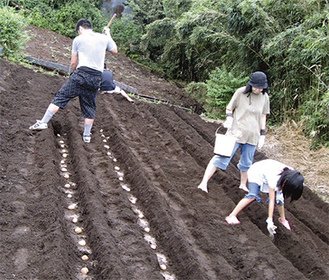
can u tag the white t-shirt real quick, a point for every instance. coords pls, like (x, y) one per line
(91, 47)
(266, 173)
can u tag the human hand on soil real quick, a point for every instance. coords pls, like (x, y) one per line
(285, 223)
(270, 226)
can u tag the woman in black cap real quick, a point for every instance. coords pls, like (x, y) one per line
(246, 122)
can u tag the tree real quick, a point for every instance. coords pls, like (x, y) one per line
(145, 11)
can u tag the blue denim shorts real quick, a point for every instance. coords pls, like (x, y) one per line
(247, 153)
(254, 191)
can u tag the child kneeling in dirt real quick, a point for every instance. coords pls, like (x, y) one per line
(277, 180)
(108, 86)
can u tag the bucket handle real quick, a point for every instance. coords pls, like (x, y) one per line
(217, 131)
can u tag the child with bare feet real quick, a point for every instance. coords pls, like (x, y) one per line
(246, 122)
(277, 180)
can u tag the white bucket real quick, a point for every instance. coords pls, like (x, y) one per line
(224, 145)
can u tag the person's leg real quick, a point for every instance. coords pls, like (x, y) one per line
(232, 219)
(53, 108)
(252, 195)
(61, 98)
(50, 112)
(43, 123)
(210, 170)
(247, 153)
(87, 101)
(125, 95)
(243, 180)
(87, 128)
(216, 162)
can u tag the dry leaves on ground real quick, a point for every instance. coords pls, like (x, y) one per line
(289, 145)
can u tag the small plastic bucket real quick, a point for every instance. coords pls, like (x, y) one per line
(224, 145)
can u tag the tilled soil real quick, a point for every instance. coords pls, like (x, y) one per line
(133, 193)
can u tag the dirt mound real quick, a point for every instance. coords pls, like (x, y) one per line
(133, 193)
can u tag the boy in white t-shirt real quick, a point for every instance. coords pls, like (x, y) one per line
(87, 62)
(276, 179)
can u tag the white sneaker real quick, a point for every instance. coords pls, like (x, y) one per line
(244, 188)
(86, 139)
(39, 125)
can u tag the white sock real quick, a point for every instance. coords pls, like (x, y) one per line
(87, 129)
(47, 116)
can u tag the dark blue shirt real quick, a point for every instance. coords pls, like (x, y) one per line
(107, 83)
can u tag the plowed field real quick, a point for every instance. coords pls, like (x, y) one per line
(133, 193)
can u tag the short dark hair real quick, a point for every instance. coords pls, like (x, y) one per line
(85, 23)
(291, 182)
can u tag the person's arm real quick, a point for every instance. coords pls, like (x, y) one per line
(125, 95)
(228, 111)
(228, 119)
(114, 50)
(271, 194)
(270, 225)
(114, 47)
(261, 140)
(74, 61)
(263, 122)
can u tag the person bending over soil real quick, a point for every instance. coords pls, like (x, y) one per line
(277, 180)
(108, 86)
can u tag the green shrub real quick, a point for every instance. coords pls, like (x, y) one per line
(66, 17)
(220, 88)
(12, 36)
(63, 19)
(157, 35)
(127, 35)
(175, 8)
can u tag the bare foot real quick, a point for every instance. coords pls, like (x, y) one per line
(232, 220)
(203, 188)
(243, 187)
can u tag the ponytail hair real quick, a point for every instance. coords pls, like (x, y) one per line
(291, 182)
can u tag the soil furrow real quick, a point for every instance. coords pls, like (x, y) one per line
(165, 175)
(162, 152)
(154, 205)
(107, 217)
(170, 123)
